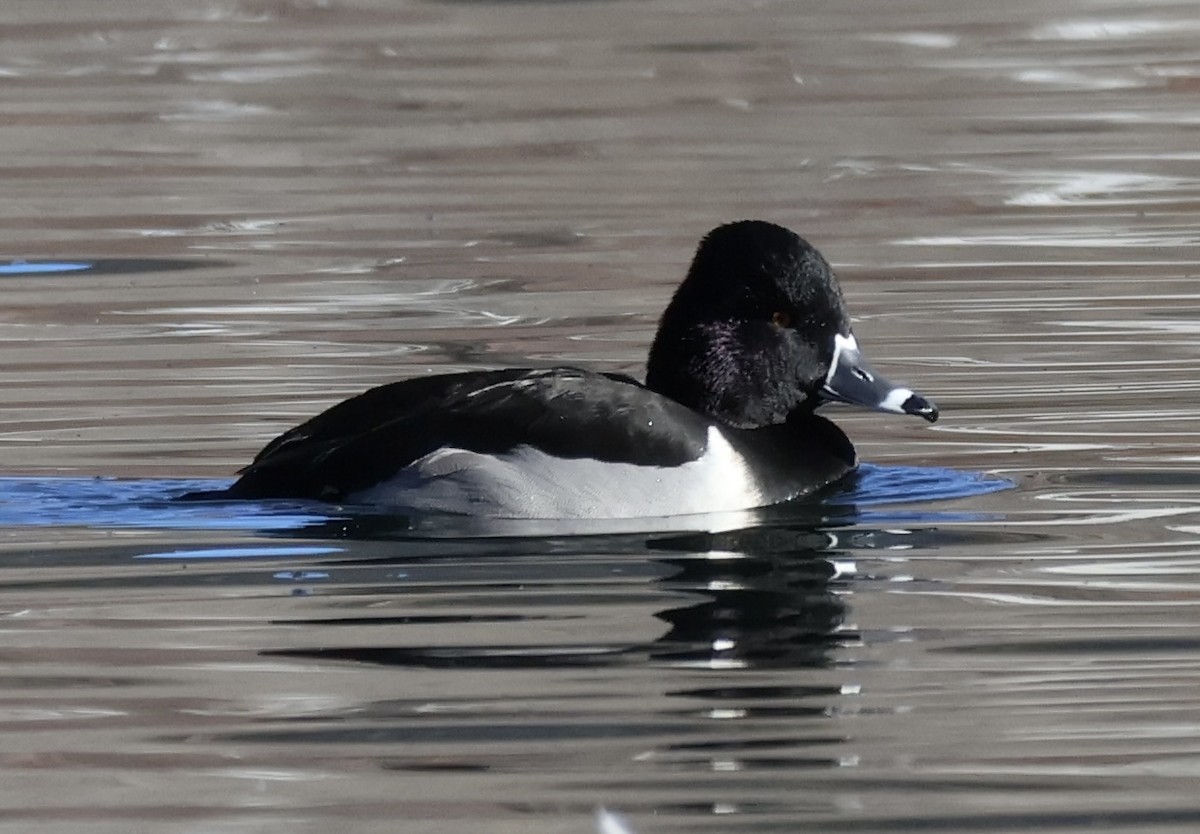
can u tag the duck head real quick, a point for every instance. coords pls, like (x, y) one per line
(758, 331)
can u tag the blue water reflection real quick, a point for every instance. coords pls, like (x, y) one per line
(149, 503)
(141, 503)
(102, 266)
(42, 267)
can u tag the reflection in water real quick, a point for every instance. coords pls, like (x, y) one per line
(41, 267)
(769, 599)
(754, 676)
(103, 266)
(737, 603)
(772, 604)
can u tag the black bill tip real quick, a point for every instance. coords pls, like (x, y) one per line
(920, 407)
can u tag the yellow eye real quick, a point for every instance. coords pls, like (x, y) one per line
(781, 319)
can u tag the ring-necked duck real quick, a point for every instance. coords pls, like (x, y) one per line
(755, 338)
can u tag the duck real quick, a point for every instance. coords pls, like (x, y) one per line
(753, 341)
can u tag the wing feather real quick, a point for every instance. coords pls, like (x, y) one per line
(564, 412)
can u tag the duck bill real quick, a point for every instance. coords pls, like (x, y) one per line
(851, 379)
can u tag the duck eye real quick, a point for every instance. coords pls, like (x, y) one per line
(781, 318)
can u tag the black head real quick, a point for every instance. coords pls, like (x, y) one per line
(751, 335)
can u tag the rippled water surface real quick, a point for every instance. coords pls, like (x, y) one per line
(220, 217)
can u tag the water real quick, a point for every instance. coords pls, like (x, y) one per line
(221, 217)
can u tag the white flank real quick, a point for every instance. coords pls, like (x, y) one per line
(528, 483)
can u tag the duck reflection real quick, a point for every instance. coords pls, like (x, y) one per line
(757, 598)
(769, 598)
